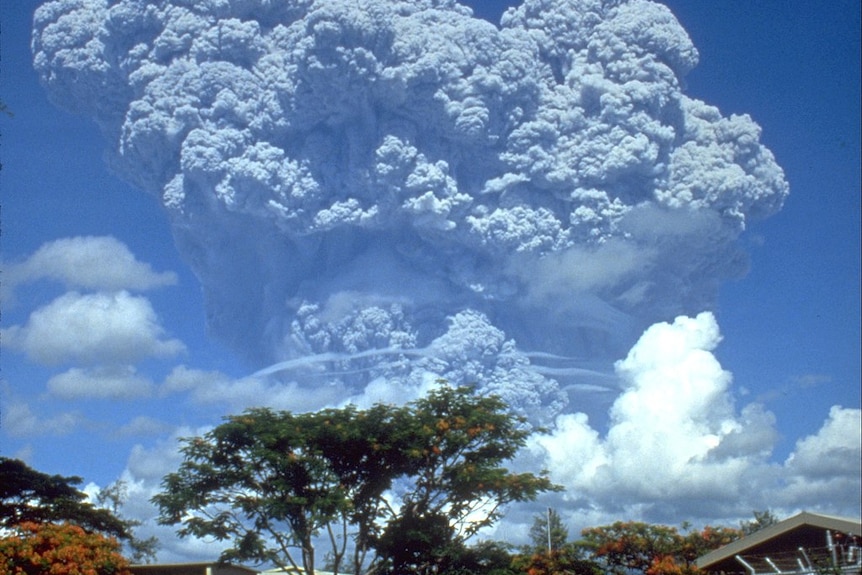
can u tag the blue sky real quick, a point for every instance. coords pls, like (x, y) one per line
(790, 327)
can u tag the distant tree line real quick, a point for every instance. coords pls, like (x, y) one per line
(390, 490)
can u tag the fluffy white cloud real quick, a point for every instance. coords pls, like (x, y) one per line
(145, 468)
(183, 379)
(150, 464)
(676, 442)
(382, 390)
(20, 421)
(673, 433)
(104, 382)
(675, 408)
(824, 473)
(835, 450)
(88, 262)
(106, 328)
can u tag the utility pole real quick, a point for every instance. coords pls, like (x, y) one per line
(549, 532)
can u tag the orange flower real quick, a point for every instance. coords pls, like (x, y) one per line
(60, 550)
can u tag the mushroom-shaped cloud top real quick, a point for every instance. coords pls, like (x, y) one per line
(351, 176)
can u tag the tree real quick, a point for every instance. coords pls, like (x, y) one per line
(539, 539)
(27, 495)
(367, 451)
(261, 481)
(112, 498)
(653, 549)
(762, 519)
(272, 483)
(632, 545)
(460, 442)
(564, 561)
(488, 558)
(417, 543)
(697, 543)
(60, 549)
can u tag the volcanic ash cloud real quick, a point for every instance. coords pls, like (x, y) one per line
(353, 177)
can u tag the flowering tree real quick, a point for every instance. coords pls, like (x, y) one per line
(697, 543)
(653, 549)
(59, 549)
(563, 561)
(30, 496)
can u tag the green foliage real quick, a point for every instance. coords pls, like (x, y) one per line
(762, 519)
(269, 483)
(488, 558)
(632, 545)
(415, 543)
(27, 495)
(260, 481)
(697, 543)
(567, 560)
(112, 498)
(653, 549)
(539, 532)
(459, 443)
(451, 558)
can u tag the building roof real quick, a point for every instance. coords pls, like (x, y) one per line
(291, 571)
(780, 543)
(191, 569)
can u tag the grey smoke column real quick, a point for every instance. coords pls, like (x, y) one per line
(354, 175)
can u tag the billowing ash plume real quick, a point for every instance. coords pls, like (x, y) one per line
(393, 189)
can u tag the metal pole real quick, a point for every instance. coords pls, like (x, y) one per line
(807, 559)
(746, 565)
(831, 545)
(773, 565)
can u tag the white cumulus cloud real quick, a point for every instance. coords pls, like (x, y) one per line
(674, 434)
(103, 328)
(834, 449)
(87, 262)
(825, 468)
(19, 420)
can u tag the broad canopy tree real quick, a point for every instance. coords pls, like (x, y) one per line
(375, 482)
(33, 497)
(27, 495)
